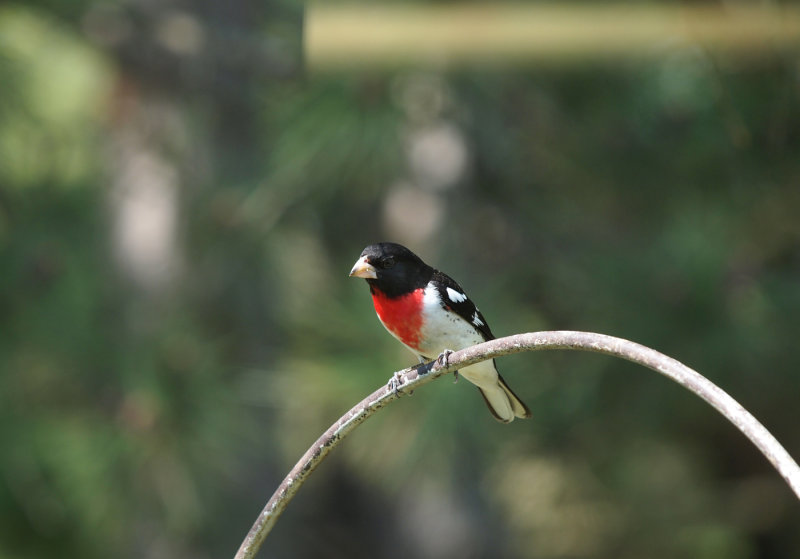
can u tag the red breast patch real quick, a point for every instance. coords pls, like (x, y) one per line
(402, 316)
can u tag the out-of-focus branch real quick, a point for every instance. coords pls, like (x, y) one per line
(583, 341)
(345, 36)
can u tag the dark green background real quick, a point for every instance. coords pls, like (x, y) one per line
(655, 200)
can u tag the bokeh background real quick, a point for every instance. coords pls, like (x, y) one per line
(181, 199)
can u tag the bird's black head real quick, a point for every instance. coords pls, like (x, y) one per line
(392, 269)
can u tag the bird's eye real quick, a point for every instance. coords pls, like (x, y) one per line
(387, 262)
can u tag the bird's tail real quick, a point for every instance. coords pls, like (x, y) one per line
(503, 403)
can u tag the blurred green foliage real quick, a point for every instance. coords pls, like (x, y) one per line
(150, 404)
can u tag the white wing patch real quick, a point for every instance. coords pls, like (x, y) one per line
(455, 296)
(476, 320)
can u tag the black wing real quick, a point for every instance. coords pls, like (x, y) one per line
(454, 298)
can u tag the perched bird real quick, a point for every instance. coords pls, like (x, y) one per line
(429, 313)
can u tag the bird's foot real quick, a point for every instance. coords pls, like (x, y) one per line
(444, 358)
(395, 382)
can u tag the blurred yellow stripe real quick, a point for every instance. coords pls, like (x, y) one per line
(357, 35)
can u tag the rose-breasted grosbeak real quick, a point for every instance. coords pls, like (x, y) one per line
(429, 313)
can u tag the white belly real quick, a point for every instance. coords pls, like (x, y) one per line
(444, 330)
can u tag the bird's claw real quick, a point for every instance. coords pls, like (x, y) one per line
(395, 382)
(444, 358)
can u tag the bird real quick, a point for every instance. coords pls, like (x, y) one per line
(429, 313)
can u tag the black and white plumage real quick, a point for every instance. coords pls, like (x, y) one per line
(429, 313)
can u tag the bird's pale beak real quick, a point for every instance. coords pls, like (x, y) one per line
(363, 269)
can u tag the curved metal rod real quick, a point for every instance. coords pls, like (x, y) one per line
(415, 377)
